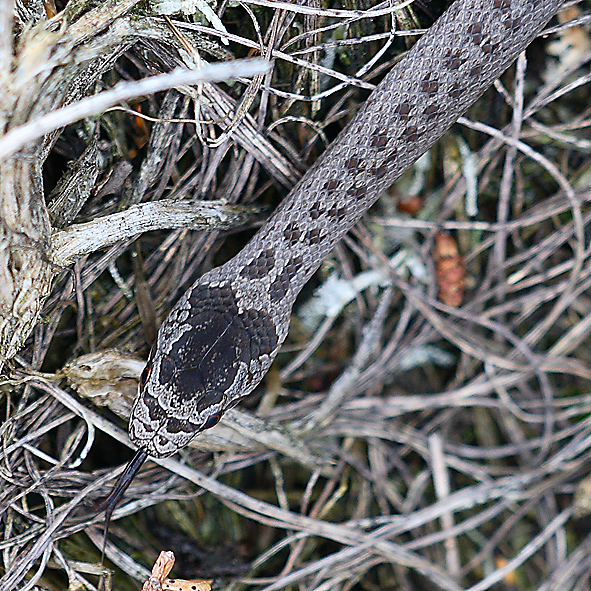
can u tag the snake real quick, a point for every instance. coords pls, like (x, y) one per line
(223, 334)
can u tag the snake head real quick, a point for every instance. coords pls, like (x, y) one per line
(209, 354)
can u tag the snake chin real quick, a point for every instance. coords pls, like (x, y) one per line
(157, 444)
(161, 434)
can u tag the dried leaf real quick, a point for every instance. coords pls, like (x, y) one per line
(451, 270)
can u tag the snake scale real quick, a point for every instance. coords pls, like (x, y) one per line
(223, 334)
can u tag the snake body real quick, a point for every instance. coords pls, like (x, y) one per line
(223, 334)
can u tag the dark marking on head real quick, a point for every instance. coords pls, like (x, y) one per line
(207, 357)
(209, 399)
(167, 369)
(174, 425)
(156, 412)
(260, 267)
(331, 185)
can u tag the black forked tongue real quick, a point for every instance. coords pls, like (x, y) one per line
(123, 482)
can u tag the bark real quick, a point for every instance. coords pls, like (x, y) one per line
(25, 272)
(52, 65)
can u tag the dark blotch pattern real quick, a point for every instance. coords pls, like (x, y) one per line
(403, 109)
(453, 59)
(430, 112)
(379, 139)
(294, 265)
(391, 157)
(412, 133)
(354, 163)
(315, 236)
(455, 91)
(280, 287)
(357, 192)
(470, 45)
(512, 24)
(261, 266)
(258, 323)
(430, 84)
(338, 212)
(292, 234)
(475, 32)
(316, 210)
(380, 171)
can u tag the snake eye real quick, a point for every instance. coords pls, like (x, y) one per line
(145, 375)
(212, 421)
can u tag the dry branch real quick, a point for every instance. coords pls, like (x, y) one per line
(53, 71)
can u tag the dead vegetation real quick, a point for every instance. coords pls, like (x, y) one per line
(399, 442)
